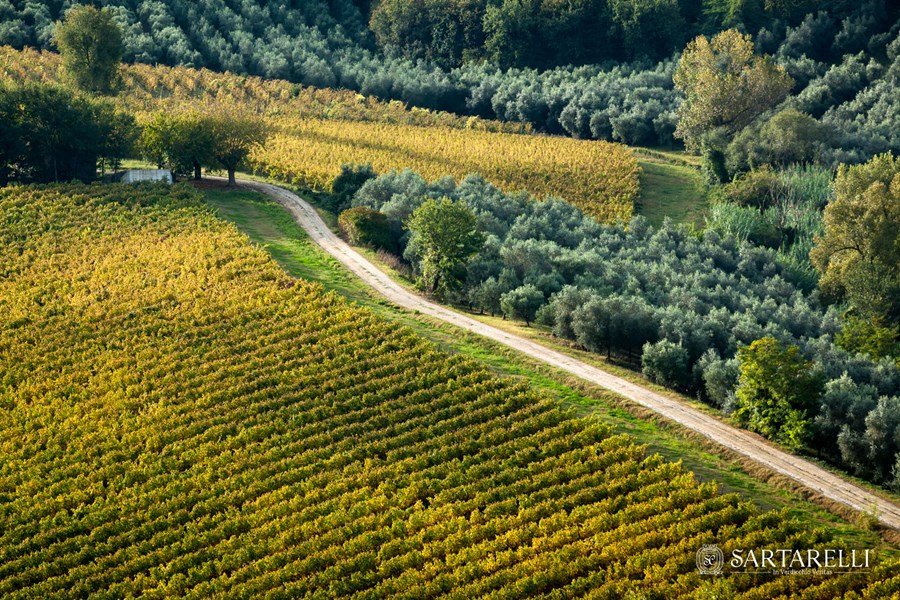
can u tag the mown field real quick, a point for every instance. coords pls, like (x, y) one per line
(316, 131)
(181, 418)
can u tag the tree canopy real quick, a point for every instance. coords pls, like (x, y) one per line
(179, 142)
(233, 135)
(91, 46)
(445, 235)
(522, 303)
(49, 133)
(776, 388)
(726, 86)
(859, 253)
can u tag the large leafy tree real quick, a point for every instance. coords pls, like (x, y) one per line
(233, 137)
(90, 43)
(445, 234)
(859, 253)
(775, 389)
(725, 85)
(180, 142)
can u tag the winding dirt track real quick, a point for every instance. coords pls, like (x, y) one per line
(749, 445)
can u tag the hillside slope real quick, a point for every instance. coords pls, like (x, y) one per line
(271, 38)
(809, 475)
(318, 130)
(183, 419)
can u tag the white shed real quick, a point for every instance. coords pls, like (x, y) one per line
(135, 175)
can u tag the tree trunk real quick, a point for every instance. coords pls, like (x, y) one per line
(198, 172)
(231, 180)
(434, 285)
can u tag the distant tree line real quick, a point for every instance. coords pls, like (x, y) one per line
(548, 64)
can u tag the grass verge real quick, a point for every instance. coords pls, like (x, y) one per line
(670, 187)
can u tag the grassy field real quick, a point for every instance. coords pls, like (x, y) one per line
(267, 224)
(670, 187)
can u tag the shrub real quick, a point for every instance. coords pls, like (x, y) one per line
(757, 189)
(364, 226)
(347, 183)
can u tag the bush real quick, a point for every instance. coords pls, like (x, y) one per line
(347, 183)
(364, 226)
(757, 189)
(522, 303)
(788, 137)
(666, 363)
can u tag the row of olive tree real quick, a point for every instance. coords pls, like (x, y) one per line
(685, 306)
(842, 60)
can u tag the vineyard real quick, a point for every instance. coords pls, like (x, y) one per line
(147, 88)
(318, 130)
(599, 177)
(181, 418)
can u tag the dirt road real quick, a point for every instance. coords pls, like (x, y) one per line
(802, 471)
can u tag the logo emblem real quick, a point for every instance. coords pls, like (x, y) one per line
(710, 560)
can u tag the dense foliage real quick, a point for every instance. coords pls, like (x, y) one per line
(725, 86)
(859, 251)
(842, 55)
(683, 303)
(90, 44)
(47, 133)
(183, 419)
(444, 235)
